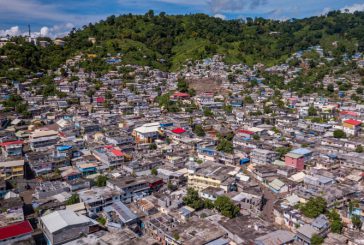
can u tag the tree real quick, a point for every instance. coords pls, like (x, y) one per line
(336, 224)
(316, 239)
(182, 86)
(101, 180)
(208, 113)
(359, 149)
(339, 134)
(154, 171)
(228, 109)
(330, 88)
(193, 200)
(73, 199)
(226, 207)
(357, 224)
(101, 220)
(198, 130)
(153, 146)
(312, 111)
(314, 207)
(225, 146)
(171, 186)
(248, 100)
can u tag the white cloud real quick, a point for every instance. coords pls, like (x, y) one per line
(218, 6)
(52, 32)
(44, 31)
(220, 16)
(12, 31)
(353, 8)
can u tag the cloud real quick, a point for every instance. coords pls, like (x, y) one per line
(52, 32)
(12, 31)
(353, 8)
(44, 31)
(219, 6)
(220, 16)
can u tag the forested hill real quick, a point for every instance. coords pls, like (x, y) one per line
(167, 41)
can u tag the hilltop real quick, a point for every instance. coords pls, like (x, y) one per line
(166, 42)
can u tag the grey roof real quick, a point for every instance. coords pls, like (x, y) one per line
(276, 237)
(124, 213)
(307, 230)
(320, 222)
(60, 219)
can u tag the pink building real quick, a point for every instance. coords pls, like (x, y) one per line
(296, 161)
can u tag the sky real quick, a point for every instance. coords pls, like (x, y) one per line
(56, 18)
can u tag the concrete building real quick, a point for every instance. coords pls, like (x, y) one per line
(261, 156)
(352, 127)
(294, 160)
(212, 174)
(96, 199)
(42, 140)
(63, 226)
(147, 133)
(12, 169)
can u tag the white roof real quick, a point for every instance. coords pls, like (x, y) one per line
(63, 218)
(148, 128)
(298, 177)
(44, 133)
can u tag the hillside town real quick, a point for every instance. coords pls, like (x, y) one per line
(212, 154)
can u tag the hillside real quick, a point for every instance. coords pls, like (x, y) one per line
(167, 41)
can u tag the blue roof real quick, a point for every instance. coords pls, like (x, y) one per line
(63, 147)
(301, 151)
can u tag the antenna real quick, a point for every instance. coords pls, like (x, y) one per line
(29, 29)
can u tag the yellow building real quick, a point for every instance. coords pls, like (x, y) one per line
(12, 169)
(212, 174)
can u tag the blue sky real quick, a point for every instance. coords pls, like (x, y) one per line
(50, 17)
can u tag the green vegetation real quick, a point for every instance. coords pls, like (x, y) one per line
(198, 130)
(101, 220)
(357, 224)
(166, 102)
(101, 180)
(208, 113)
(226, 207)
(339, 134)
(359, 149)
(225, 145)
(16, 103)
(336, 224)
(153, 146)
(193, 200)
(317, 240)
(73, 199)
(282, 151)
(314, 207)
(223, 204)
(166, 42)
(154, 171)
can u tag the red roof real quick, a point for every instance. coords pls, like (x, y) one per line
(117, 153)
(350, 113)
(100, 99)
(16, 142)
(246, 132)
(178, 130)
(353, 122)
(15, 230)
(180, 94)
